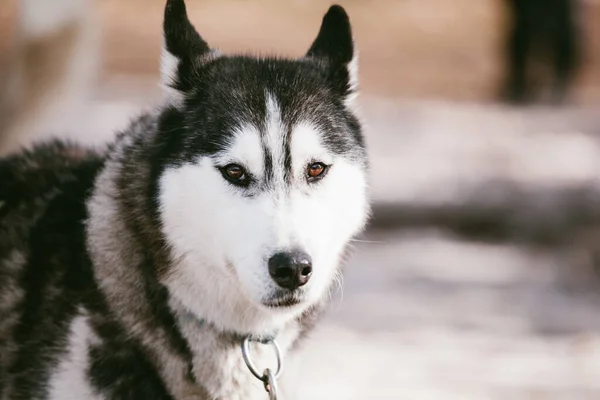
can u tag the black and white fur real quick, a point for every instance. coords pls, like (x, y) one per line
(133, 273)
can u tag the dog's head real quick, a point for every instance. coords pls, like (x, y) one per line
(264, 176)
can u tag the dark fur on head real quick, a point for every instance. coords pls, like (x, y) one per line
(220, 92)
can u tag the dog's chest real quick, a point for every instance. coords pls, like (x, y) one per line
(219, 367)
(231, 379)
(224, 374)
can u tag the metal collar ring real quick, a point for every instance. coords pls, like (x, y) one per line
(250, 364)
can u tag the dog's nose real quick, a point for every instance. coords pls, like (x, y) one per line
(290, 270)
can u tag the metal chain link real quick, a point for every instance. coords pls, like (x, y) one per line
(270, 384)
(268, 378)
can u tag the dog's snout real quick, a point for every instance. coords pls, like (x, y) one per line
(290, 270)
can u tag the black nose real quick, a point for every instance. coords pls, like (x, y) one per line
(290, 270)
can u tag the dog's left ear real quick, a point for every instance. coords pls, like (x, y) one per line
(183, 49)
(334, 45)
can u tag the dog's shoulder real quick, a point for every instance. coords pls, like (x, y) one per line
(35, 173)
(43, 186)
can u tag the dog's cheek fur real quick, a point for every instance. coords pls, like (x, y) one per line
(329, 212)
(188, 209)
(342, 211)
(326, 219)
(218, 238)
(224, 234)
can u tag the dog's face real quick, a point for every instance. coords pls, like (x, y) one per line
(263, 181)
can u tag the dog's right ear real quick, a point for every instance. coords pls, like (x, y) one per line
(335, 46)
(183, 49)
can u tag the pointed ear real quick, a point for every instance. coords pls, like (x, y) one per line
(335, 46)
(182, 49)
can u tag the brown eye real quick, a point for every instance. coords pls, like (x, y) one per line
(316, 171)
(235, 174)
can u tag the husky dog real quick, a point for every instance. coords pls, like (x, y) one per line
(135, 272)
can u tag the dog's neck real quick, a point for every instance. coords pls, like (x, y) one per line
(178, 341)
(217, 362)
(185, 317)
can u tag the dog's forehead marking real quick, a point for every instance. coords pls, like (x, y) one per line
(276, 152)
(288, 148)
(275, 144)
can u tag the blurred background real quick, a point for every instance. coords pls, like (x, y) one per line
(478, 275)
